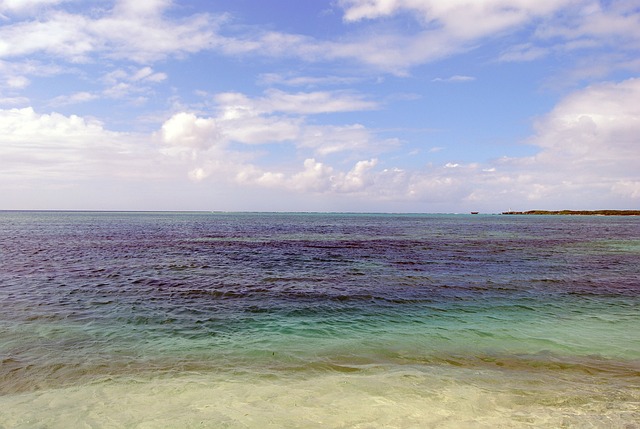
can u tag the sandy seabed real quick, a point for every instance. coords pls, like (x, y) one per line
(411, 397)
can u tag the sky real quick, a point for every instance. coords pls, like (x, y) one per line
(437, 106)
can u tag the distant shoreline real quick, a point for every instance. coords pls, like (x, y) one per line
(577, 212)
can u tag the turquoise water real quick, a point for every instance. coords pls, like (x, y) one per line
(318, 320)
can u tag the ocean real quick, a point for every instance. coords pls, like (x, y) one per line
(309, 320)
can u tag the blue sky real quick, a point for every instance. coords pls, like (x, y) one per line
(320, 105)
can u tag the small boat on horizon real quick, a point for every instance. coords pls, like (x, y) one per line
(475, 212)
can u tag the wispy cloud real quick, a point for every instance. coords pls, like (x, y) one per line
(308, 81)
(454, 79)
(140, 34)
(75, 98)
(144, 34)
(25, 6)
(301, 103)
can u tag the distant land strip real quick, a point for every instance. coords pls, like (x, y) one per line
(577, 212)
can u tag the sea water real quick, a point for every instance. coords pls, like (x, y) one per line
(254, 320)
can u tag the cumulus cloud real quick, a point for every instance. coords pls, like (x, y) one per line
(588, 157)
(202, 144)
(589, 152)
(276, 117)
(26, 123)
(356, 179)
(314, 177)
(189, 131)
(593, 134)
(218, 144)
(55, 146)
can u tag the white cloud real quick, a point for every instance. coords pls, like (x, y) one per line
(17, 82)
(20, 70)
(523, 52)
(300, 103)
(612, 23)
(136, 9)
(314, 102)
(68, 148)
(454, 79)
(136, 31)
(465, 19)
(142, 32)
(261, 129)
(131, 83)
(357, 179)
(147, 74)
(198, 174)
(325, 140)
(62, 35)
(316, 176)
(447, 27)
(27, 123)
(153, 38)
(587, 145)
(25, 6)
(187, 130)
(14, 101)
(628, 189)
(279, 116)
(594, 131)
(589, 157)
(213, 144)
(450, 27)
(309, 81)
(75, 98)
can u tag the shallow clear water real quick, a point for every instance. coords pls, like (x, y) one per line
(318, 320)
